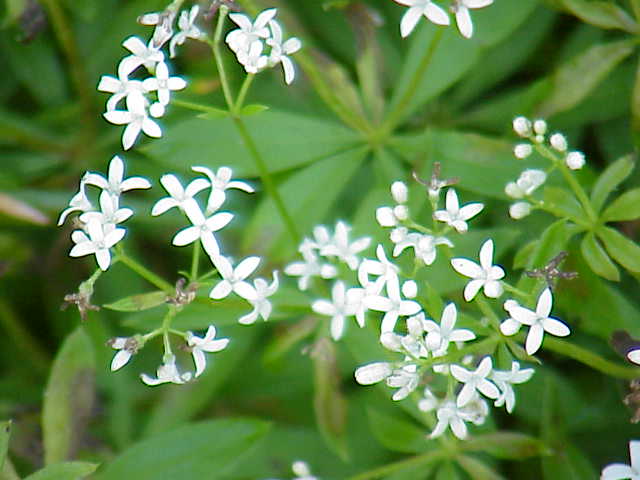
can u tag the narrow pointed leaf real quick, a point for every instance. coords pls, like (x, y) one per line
(397, 434)
(478, 470)
(64, 471)
(624, 251)
(562, 201)
(597, 258)
(138, 303)
(510, 445)
(613, 175)
(625, 207)
(601, 14)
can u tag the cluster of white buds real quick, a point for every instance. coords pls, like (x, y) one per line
(248, 42)
(439, 16)
(135, 102)
(526, 184)
(100, 230)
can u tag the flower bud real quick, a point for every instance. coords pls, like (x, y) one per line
(385, 217)
(373, 373)
(513, 190)
(522, 126)
(156, 110)
(399, 192)
(401, 212)
(540, 127)
(575, 160)
(519, 210)
(522, 150)
(558, 142)
(410, 289)
(531, 179)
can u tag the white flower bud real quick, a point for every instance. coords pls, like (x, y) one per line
(391, 341)
(401, 212)
(558, 142)
(531, 179)
(538, 138)
(522, 126)
(519, 210)
(410, 289)
(513, 190)
(575, 160)
(634, 356)
(522, 150)
(156, 110)
(385, 217)
(510, 304)
(399, 192)
(540, 127)
(398, 234)
(373, 373)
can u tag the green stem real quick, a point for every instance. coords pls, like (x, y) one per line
(267, 180)
(166, 328)
(243, 93)
(195, 262)
(21, 338)
(416, 461)
(144, 272)
(215, 46)
(635, 6)
(399, 110)
(487, 311)
(590, 359)
(198, 107)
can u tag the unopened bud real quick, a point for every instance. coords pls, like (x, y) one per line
(522, 126)
(540, 127)
(558, 142)
(522, 150)
(575, 160)
(519, 210)
(399, 192)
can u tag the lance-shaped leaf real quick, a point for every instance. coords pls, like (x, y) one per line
(64, 471)
(68, 397)
(576, 79)
(597, 258)
(510, 445)
(601, 14)
(396, 433)
(562, 202)
(623, 250)
(625, 207)
(613, 175)
(477, 470)
(138, 303)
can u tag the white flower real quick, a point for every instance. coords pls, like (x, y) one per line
(418, 8)
(504, 380)
(450, 416)
(406, 379)
(233, 279)
(310, 267)
(252, 59)
(463, 19)
(249, 32)
(167, 372)
(163, 22)
(97, 241)
(202, 229)
(179, 196)
(539, 126)
(399, 192)
(575, 160)
(620, 471)
(147, 55)
(187, 29)
(115, 184)
(519, 210)
(280, 51)
(136, 118)
(120, 88)
(475, 381)
(527, 183)
(558, 142)
(382, 268)
(393, 305)
(424, 246)
(538, 322)
(340, 247)
(386, 216)
(109, 212)
(456, 216)
(522, 126)
(338, 309)
(261, 306)
(522, 150)
(201, 345)
(78, 203)
(373, 373)
(486, 275)
(126, 346)
(220, 182)
(163, 83)
(439, 336)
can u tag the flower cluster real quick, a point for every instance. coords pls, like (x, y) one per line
(248, 42)
(136, 102)
(99, 229)
(432, 12)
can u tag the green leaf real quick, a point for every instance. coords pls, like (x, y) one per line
(601, 14)
(138, 303)
(13, 11)
(563, 202)
(597, 258)
(608, 180)
(623, 250)
(202, 450)
(625, 207)
(576, 79)
(522, 256)
(396, 433)
(253, 109)
(5, 434)
(568, 463)
(478, 470)
(509, 445)
(68, 397)
(64, 471)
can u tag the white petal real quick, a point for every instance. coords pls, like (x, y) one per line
(534, 339)
(409, 21)
(486, 255)
(337, 327)
(471, 210)
(199, 361)
(246, 267)
(221, 290)
(163, 205)
(467, 268)
(246, 291)
(463, 20)
(103, 257)
(372, 373)
(634, 356)
(510, 327)
(186, 236)
(465, 395)
(555, 327)
(634, 453)
(617, 471)
(472, 289)
(493, 289)
(120, 359)
(545, 303)
(436, 14)
(477, 3)
(323, 307)
(130, 134)
(458, 428)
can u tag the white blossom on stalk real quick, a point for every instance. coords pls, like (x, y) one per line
(522, 126)
(233, 279)
(519, 210)
(163, 21)
(141, 54)
(440, 336)
(163, 84)
(338, 309)
(253, 60)
(126, 346)
(187, 29)
(97, 241)
(527, 183)
(558, 142)
(249, 32)
(136, 118)
(382, 268)
(208, 344)
(417, 9)
(373, 373)
(455, 216)
(392, 305)
(261, 305)
(406, 379)
(504, 380)
(167, 373)
(78, 203)
(620, 471)
(280, 51)
(110, 212)
(522, 150)
(475, 381)
(485, 275)
(179, 197)
(309, 267)
(340, 247)
(119, 88)
(220, 182)
(575, 160)
(449, 415)
(115, 183)
(428, 402)
(202, 229)
(539, 321)
(463, 18)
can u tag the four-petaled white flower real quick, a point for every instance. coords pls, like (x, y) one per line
(202, 229)
(110, 212)
(340, 247)
(179, 196)
(141, 54)
(249, 32)
(449, 415)
(208, 344)
(620, 471)
(78, 203)
(439, 336)
(418, 8)
(504, 380)
(221, 181)
(538, 321)
(310, 267)
(167, 373)
(126, 346)
(393, 305)
(261, 305)
(115, 184)
(280, 51)
(486, 275)
(136, 118)
(454, 215)
(187, 29)
(382, 268)
(119, 88)
(475, 381)
(163, 84)
(406, 379)
(463, 18)
(338, 309)
(233, 279)
(97, 241)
